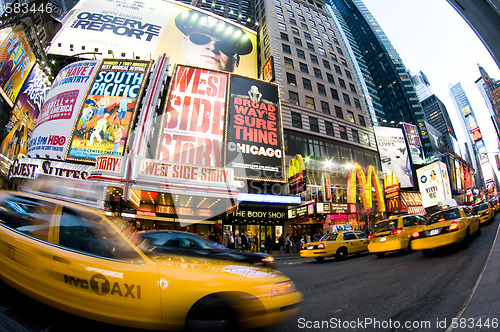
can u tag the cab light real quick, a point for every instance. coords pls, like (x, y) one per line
(454, 226)
(303, 247)
(269, 259)
(415, 235)
(441, 220)
(282, 288)
(371, 236)
(397, 231)
(321, 246)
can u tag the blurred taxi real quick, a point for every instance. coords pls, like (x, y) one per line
(495, 205)
(75, 259)
(337, 244)
(484, 211)
(394, 233)
(449, 226)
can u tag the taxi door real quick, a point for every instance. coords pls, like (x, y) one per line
(95, 284)
(25, 253)
(352, 243)
(362, 241)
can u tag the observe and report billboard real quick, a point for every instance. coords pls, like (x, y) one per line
(146, 29)
(224, 122)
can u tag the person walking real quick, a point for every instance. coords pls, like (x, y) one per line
(281, 243)
(287, 243)
(268, 243)
(244, 241)
(255, 243)
(237, 242)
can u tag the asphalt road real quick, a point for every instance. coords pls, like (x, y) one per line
(361, 293)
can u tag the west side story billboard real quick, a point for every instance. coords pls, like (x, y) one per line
(228, 123)
(148, 29)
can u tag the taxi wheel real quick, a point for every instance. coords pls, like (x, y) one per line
(466, 241)
(380, 254)
(341, 254)
(211, 313)
(319, 259)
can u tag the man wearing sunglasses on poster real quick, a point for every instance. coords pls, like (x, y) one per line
(211, 43)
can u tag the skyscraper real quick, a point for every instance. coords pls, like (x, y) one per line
(390, 77)
(490, 90)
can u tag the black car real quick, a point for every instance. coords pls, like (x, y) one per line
(190, 244)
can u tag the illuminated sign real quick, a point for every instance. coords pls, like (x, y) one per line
(268, 70)
(278, 199)
(476, 134)
(332, 208)
(28, 168)
(108, 164)
(111, 104)
(365, 183)
(297, 174)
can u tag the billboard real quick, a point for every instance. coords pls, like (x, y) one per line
(394, 154)
(254, 138)
(22, 120)
(16, 61)
(414, 143)
(147, 29)
(106, 115)
(434, 183)
(58, 114)
(210, 121)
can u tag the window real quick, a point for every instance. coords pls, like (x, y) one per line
(307, 84)
(338, 112)
(342, 61)
(282, 26)
(302, 18)
(279, 9)
(321, 89)
(310, 47)
(343, 132)
(296, 120)
(329, 128)
(288, 63)
(347, 100)
(337, 69)
(295, 31)
(293, 21)
(280, 16)
(352, 88)
(325, 107)
(362, 120)
(297, 41)
(342, 83)
(334, 57)
(348, 74)
(350, 116)
(284, 36)
(307, 35)
(303, 68)
(366, 139)
(357, 103)
(293, 97)
(322, 51)
(310, 103)
(290, 78)
(313, 124)
(304, 26)
(314, 59)
(301, 54)
(319, 41)
(334, 93)
(286, 48)
(326, 64)
(355, 135)
(317, 73)
(339, 51)
(290, 13)
(315, 31)
(325, 35)
(330, 78)
(311, 22)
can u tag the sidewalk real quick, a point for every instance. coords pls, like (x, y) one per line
(481, 311)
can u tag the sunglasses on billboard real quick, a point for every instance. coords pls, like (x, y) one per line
(202, 39)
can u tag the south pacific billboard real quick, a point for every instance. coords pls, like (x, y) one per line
(24, 115)
(110, 105)
(59, 112)
(394, 154)
(148, 29)
(16, 61)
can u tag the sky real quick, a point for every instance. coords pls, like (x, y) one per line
(430, 36)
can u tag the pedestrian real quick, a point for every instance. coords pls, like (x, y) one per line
(281, 242)
(231, 240)
(308, 238)
(225, 239)
(237, 242)
(255, 243)
(268, 243)
(244, 241)
(287, 243)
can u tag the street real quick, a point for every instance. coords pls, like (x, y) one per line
(360, 293)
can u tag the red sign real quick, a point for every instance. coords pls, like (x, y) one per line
(476, 134)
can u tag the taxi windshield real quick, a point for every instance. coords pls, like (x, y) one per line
(444, 216)
(480, 207)
(386, 225)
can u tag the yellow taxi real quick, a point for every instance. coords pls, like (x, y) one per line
(495, 204)
(77, 260)
(453, 225)
(394, 233)
(484, 211)
(337, 244)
